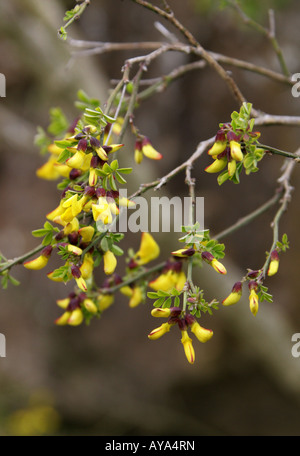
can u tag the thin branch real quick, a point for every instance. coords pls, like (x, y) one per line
(22, 258)
(250, 217)
(270, 119)
(197, 48)
(275, 151)
(268, 33)
(284, 180)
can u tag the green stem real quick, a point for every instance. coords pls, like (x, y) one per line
(191, 183)
(80, 11)
(275, 151)
(22, 258)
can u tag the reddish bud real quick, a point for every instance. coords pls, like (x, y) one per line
(94, 142)
(75, 271)
(100, 192)
(73, 238)
(82, 144)
(207, 256)
(189, 319)
(47, 251)
(252, 285)
(74, 173)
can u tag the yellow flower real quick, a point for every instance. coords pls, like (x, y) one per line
(219, 267)
(90, 306)
(77, 159)
(188, 347)
(87, 266)
(76, 317)
(55, 213)
(274, 263)
(235, 151)
(210, 259)
(63, 319)
(104, 209)
(217, 148)
(160, 312)
(135, 294)
(217, 165)
(71, 227)
(253, 297)
(92, 177)
(101, 153)
(117, 125)
(180, 281)
(86, 233)
(144, 147)
(160, 331)
(202, 334)
(166, 312)
(231, 167)
(219, 145)
(81, 283)
(110, 262)
(234, 296)
(41, 261)
(138, 156)
(51, 276)
(63, 303)
(48, 171)
(74, 249)
(183, 253)
(148, 251)
(168, 280)
(104, 301)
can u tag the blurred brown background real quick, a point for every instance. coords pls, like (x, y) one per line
(109, 379)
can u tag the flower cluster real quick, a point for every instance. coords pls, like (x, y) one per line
(176, 316)
(80, 235)
(255, 278)
(143, 147)
(90, 201)
(235, 147)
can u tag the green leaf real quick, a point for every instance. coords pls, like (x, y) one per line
(62, 33)
(114, 165)
(100, 172)
(120, 178)
(125, 170)
(167, 303)
(71, 13)
(106, 169)
(39, 233)
(176, 301)
(163, 293)
(105, 183)
(152, 295)
(223, 177)
(48, 238)
(85, 101)
(59, 123)
(13, 280)
(159, 302)
(4, 281)
(112, 183)
(104, 244)
(42, 140)
(116, 250)
(64, 156)
(64, 143)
